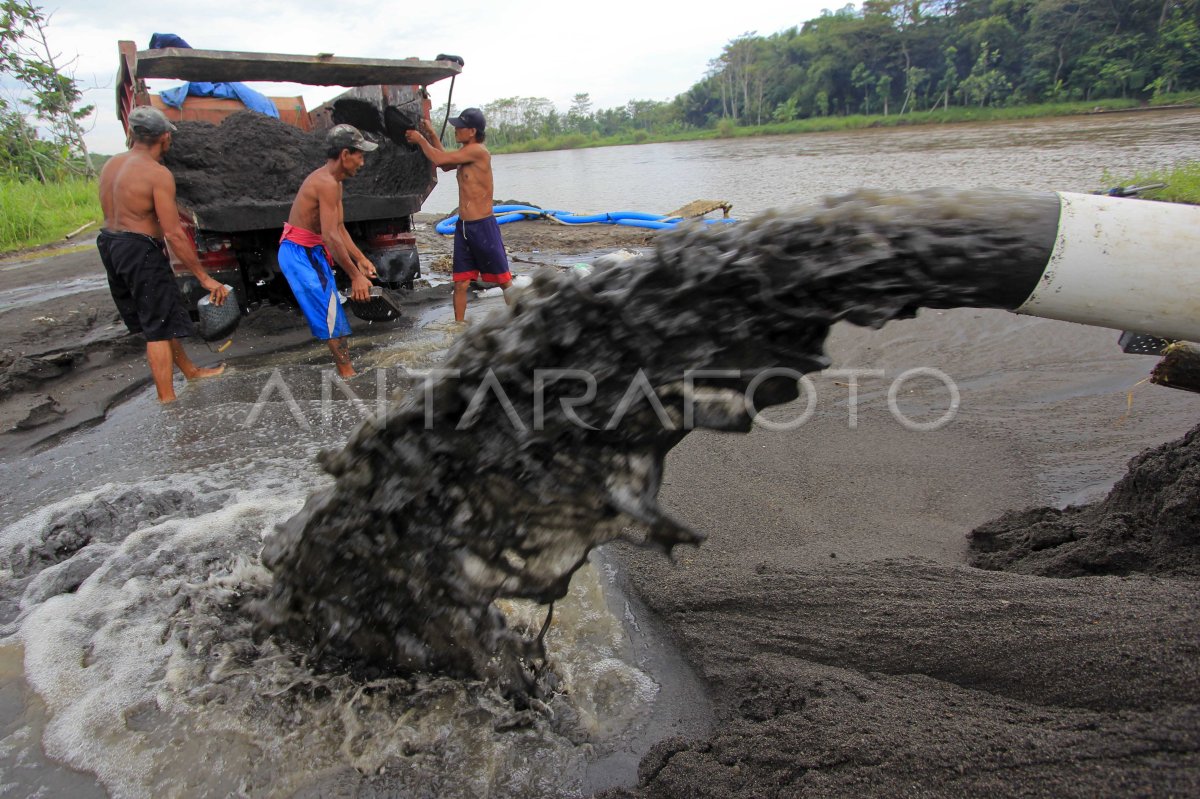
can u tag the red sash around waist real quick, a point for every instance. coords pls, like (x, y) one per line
(298, 235)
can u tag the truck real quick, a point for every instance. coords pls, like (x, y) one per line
(236, 232)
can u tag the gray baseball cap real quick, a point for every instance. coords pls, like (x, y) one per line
(149, 121)
(348, 137)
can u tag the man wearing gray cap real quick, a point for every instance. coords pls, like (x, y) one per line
(137, 195)
(314, 230)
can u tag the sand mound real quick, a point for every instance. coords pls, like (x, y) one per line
(1149, 523)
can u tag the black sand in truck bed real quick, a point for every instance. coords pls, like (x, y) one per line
(254, 158)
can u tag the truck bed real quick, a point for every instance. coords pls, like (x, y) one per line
(238, 217)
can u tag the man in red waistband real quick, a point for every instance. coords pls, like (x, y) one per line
(478, 248)
(137, 195)
(315, 224)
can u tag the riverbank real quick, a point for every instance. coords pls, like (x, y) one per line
(954, 115)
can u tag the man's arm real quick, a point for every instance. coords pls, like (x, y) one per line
(467, 154)
(361, 261)
(329, 204)
(167, 211)
(436, 142)
(432, 135)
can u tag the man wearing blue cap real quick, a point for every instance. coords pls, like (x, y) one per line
(478, 248)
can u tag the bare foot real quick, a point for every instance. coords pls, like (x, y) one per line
(345, 370)
(203, 372)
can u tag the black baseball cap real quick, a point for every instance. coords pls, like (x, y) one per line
(471, 118)
(348, 137)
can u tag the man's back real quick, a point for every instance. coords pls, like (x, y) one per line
(127, 185)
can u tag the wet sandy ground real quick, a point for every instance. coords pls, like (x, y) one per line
(846, 646)
(852, 652)
(66, 359)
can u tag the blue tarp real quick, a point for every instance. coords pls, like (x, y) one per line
(174, 98)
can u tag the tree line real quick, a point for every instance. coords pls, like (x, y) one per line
(897, 56)
(41, 119)
(885, 57)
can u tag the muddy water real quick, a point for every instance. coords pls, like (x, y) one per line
(123, 595)
(31, 295)
(1068, 154)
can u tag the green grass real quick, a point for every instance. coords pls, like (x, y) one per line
(1177, 98)
(32, 214)
(1183, 182)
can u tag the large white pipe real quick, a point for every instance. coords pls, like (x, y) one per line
(1123, 263)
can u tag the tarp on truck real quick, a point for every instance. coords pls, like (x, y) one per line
(174, 98)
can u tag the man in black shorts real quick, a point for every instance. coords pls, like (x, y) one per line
(478, 248)
(137, 194)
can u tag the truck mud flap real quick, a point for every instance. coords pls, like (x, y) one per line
(396, 266)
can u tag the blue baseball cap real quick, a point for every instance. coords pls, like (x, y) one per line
(471, 118)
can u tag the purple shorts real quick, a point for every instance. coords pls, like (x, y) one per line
(479, 251)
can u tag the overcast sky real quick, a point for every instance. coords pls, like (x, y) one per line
(616, 51)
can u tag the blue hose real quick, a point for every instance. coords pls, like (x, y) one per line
(512, 213)
(647, 223)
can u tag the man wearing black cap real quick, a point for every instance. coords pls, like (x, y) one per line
(316, 228)
(478, 248)
(137, 195)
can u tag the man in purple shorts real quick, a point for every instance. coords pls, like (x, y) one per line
(478, 249)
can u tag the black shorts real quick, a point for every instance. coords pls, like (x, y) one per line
(143, 285)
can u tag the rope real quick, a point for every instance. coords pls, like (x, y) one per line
(449, 97)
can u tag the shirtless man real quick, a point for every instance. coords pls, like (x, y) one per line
(316, 228)
(478, 248)
(137, 195)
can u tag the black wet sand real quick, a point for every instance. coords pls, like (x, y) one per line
(850, 650)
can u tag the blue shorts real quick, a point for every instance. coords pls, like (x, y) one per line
(479, 251)
(308, 273)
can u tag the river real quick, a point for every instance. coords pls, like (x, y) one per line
(126, 545)
(1064, 154)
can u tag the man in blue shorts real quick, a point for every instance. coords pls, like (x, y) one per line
(478, 249)
(314, 230)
